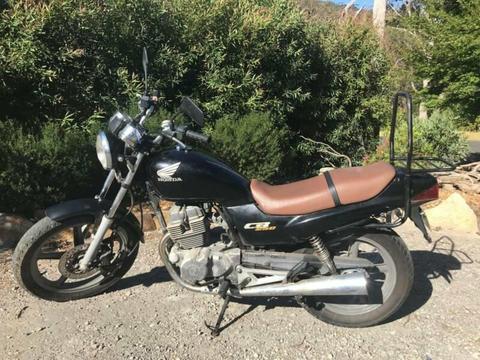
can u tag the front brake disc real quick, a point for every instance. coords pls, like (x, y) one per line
(68, 264)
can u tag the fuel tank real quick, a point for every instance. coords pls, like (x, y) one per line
(191, 176)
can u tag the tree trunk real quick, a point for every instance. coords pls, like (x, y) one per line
(379, 11)
(422, 110)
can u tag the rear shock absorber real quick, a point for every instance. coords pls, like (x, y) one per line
(320, 250)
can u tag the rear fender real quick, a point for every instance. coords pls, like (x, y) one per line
(336, 238)
(93, 208)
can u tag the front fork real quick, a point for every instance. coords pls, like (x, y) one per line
(108, 218)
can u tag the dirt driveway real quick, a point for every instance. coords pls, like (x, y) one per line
(147, 316)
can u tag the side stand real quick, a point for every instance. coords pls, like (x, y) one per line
(215, 330)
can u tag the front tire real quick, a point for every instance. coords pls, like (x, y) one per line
(396, 287)
(41, 243)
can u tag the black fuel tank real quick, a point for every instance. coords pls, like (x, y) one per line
(191, 176)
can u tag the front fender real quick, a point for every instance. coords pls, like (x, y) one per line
(73, 208)
(92, 207)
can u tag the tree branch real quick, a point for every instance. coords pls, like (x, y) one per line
(329, 150)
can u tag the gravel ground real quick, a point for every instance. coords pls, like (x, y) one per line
(147, 316)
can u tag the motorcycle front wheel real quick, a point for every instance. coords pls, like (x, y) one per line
(45, 261)
(390, 282)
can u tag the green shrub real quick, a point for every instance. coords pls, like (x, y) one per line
(326, 81)
(351, 98)
(445, 49)
(437, 136)
(252, 144)
(58, 164)
(65, 56)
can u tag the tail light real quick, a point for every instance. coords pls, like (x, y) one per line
(428, 195)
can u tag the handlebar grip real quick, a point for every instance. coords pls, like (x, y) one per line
(197, 136)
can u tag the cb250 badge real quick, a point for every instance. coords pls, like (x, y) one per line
(260, 226)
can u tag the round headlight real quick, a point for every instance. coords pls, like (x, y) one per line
(104, 153)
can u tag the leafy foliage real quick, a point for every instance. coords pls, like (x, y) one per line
(253, 144)
(247, 63)
(436, 136)
(58, 164)
(448, 55)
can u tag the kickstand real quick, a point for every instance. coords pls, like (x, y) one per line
(215, 330)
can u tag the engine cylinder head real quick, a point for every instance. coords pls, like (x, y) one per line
(187, 226)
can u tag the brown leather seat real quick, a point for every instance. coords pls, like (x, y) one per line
(305, 196)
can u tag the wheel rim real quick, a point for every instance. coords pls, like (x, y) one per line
(50, 267)
(382, 280)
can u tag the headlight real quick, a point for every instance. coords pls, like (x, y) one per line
(104, 152)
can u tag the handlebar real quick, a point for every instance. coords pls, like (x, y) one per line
(197, 136)
(176, 134)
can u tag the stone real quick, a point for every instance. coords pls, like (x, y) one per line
(148, 222)
(148, 218)
(12, 228)
(453, 214)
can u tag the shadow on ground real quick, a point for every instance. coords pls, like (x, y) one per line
(157, 275)
(436, 263)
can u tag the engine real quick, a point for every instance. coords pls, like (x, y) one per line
(188, 226)
(200, 249)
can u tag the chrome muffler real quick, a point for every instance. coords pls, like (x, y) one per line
(354, 283)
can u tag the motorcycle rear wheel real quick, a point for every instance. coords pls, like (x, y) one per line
(387, 292)
(44, 261)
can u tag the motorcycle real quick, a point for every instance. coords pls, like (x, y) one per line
(328, 241)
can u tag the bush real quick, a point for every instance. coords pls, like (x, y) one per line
(326, 81)
(65, 56)
(446, 48)
(58, 164)
(253, 144)
(357, 91)
(436, 136)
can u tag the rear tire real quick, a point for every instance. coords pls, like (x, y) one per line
(404, 273)
(32, 240)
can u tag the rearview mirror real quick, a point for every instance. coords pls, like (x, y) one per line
(189, 108)
(145, 66)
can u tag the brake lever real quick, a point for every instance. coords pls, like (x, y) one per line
(171, 135)
(146, 115)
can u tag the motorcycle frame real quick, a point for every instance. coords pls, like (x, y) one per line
(302, 225)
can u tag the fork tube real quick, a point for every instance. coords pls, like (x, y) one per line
(107, 219)
(106, 185)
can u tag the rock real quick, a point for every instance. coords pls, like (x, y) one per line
(148, 222)
(12, 228)
(453, 214)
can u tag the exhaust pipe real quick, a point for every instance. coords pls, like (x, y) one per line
(348, 284)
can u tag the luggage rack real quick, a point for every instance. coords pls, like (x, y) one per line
(409, 163)
(424, 164)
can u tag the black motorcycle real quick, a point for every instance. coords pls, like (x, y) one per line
(328, 240)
